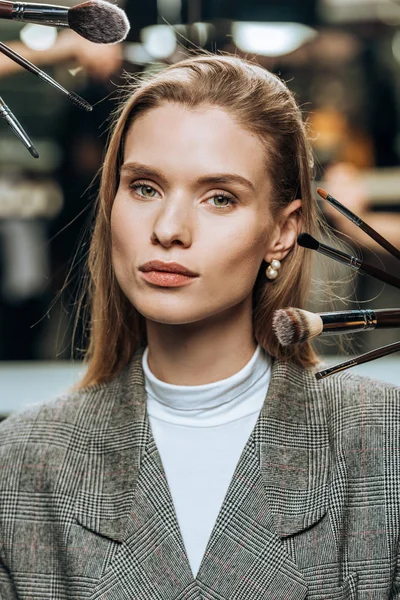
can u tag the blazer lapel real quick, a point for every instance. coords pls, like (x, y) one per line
(245, 559)
(292, 442)
(279, 488)
(125, 497)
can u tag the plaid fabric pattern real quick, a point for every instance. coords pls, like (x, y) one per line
(312, 510)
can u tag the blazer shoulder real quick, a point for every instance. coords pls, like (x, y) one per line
(84, 408)
(346, 392)
(355, 402)
(51, 434)
(351, 385)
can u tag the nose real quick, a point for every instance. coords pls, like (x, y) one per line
(173, 223)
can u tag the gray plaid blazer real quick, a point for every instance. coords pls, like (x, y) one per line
(312, 510)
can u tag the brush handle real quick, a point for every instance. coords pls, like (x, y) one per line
(6, 9)
(346, 212)
(42, 14)
(383, 242)
(359, 360)
(356, 263)
(337, 323)
(26, 64)
(17, 128)
(387, 317)
(380, 275)
(20, 60)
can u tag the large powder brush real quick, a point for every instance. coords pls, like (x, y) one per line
(296, 326)
(96, 20)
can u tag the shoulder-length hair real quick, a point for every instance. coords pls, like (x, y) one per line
(261, 103)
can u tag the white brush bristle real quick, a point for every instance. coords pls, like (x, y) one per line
(295, 326)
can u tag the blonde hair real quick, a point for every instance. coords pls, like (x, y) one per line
(262, 104)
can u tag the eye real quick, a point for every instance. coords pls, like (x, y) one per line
(143, 189)
(223, 197)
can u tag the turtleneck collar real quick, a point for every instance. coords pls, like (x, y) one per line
(211, 404)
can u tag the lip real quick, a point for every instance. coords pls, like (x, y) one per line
(166, 279)
(167, 267)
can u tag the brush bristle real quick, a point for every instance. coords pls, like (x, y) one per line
(289, 326)
(99, 22)
(322, 193)
(81, 102)
(296, 326)
(307, 241)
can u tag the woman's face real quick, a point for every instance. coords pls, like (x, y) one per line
(193, 190)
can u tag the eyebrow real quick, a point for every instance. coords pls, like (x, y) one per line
(140, 170)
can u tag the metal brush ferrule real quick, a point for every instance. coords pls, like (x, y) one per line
(57, 16)
(348, 321)
(344, 210)
(12, 122)
(342, 257)
(336, 369)
(52, 82)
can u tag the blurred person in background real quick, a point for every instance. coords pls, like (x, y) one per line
(197, 458)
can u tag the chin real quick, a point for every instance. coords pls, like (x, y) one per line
(177, 315)
(168, 319)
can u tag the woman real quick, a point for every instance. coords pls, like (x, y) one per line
(196, 460)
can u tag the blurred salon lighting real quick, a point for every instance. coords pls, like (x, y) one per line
(170, 10)
(342, 11)
(38, 37)
(389, 12)
(136, 54)
(271, 39)
(396, 46)
(201, 33)
(28, 199)
(158, 40)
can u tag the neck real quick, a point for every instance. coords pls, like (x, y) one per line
(202, 352)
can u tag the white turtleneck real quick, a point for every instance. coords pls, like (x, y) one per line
(200, 432)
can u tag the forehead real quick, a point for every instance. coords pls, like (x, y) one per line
(195, 141)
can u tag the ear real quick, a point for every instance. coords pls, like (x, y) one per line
(285, 232)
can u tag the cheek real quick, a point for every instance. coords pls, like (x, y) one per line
(246, 243)
(237, 256)
(124, 235)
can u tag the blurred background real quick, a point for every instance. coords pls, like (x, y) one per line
(340, 57)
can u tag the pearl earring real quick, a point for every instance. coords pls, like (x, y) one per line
(272, 270)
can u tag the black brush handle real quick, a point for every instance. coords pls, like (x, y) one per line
(379, 239)
(338, 322)
(359, 360)
(379, 274)
(387, 317)
(20, 60)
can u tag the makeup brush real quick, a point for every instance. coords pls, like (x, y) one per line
(295, 326)
(383, 242)
(96, 20)
(16, 128)
(307, 241)
(26, 64)
(359, 360)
